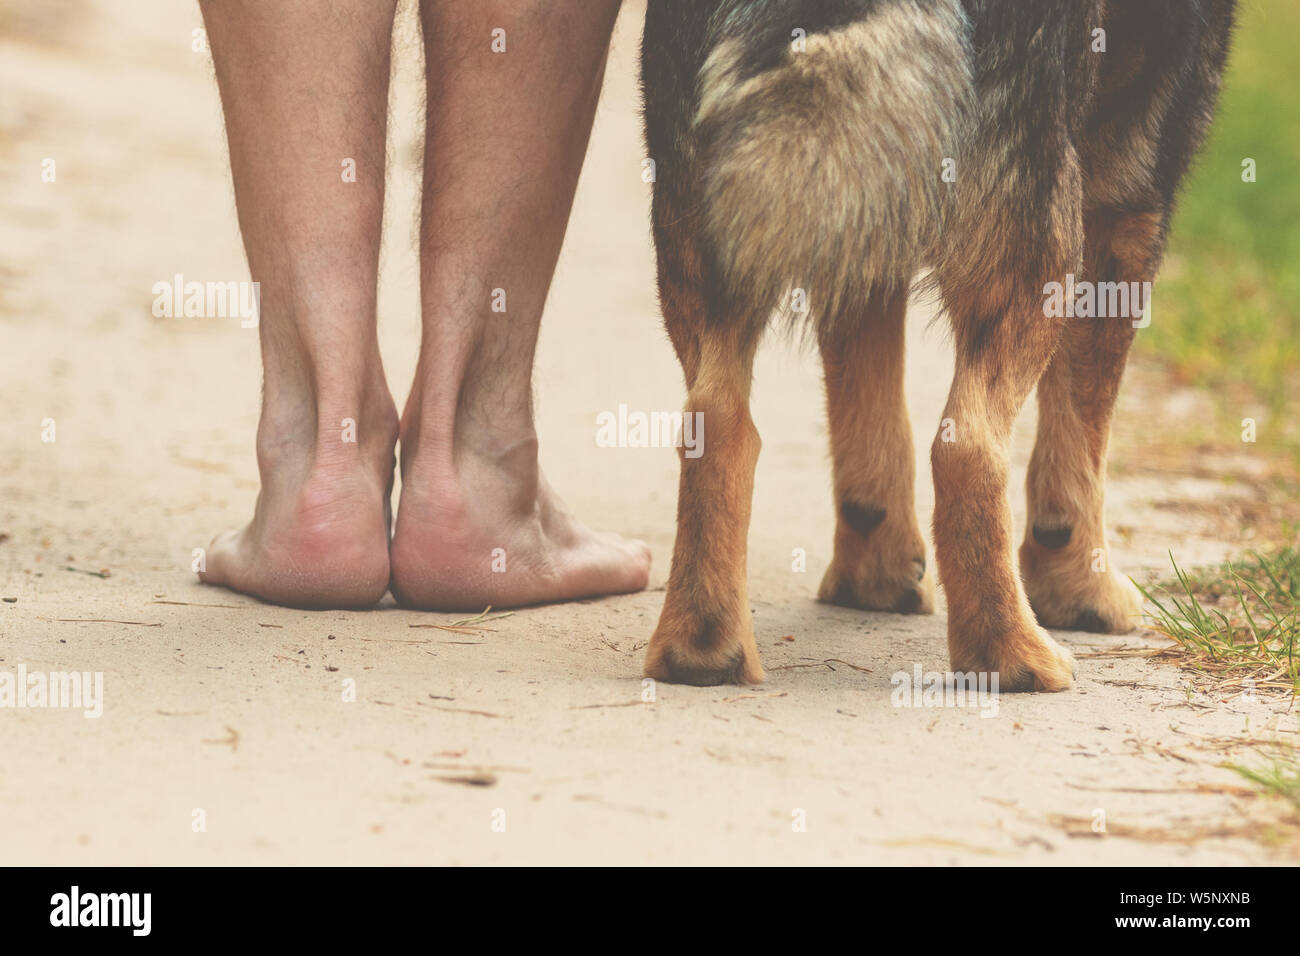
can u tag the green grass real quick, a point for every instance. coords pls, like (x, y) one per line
(1228, 306)
(1238, 624)
(1281, 778)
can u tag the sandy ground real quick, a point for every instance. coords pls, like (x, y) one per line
(233, 708)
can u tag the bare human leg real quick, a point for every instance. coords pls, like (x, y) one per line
(507, 133)
(305, 92)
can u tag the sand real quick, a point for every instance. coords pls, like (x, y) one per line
(225, 736)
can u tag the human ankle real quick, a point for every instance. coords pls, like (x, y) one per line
(326, 432)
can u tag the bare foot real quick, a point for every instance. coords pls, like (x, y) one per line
(319, 534)
(490, 531)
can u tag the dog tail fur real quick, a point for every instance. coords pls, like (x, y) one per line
(822, 152)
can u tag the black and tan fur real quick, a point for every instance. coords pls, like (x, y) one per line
(820, 170)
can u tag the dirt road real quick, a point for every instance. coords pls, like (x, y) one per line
(225, 736)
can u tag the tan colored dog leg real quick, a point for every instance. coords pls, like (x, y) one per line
(1064, 559)
(879, 561)
(1001, 352)
(706, 634)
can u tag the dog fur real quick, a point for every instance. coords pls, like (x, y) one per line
(810, 172)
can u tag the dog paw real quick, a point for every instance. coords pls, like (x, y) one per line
(1030, 660)
(1076, 598)
(689, 648)
(868, 586)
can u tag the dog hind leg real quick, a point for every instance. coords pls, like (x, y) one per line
(705, 634)
(1004, 339)
(991, 628)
